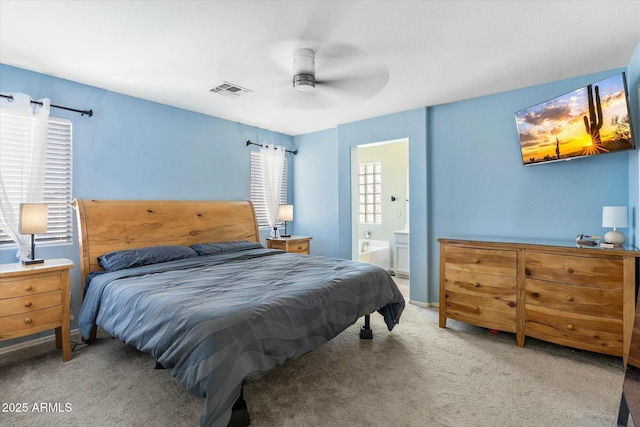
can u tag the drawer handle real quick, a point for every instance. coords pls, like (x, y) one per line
(28, 288)
(28, 320)
(27, 304)
(569, 270)
(477, 284)
(476, 309)
(570, 327)
(570, 298)
(476, 260)
(527, 272)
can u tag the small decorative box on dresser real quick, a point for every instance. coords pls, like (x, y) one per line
(581, 297)
(35, 298)
(295, 244)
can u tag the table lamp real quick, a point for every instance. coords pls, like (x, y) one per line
(616, 217)
(33, 220)
(285, 213)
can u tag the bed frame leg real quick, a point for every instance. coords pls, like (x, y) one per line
(365, 330)
(239, 413)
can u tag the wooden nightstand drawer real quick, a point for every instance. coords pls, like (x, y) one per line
(37, 283)
(299, 248)
(29, 303)
(32, 322)
(278, 244)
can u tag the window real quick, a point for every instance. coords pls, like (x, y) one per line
(57, 183)
(257, 194)
(370, 193)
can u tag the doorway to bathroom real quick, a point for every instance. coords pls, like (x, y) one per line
(380, 207)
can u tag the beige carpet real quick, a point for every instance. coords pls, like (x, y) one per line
(417, 375)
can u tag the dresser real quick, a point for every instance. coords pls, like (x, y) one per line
(581, 297)
(295, 244)
(36, 298)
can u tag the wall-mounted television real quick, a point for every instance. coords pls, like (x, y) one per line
(592, 120)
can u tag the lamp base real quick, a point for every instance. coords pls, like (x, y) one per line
(32, 261)
(614, 237)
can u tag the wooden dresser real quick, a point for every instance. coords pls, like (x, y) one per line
(295, 244)
(581, 297)
(36, 298)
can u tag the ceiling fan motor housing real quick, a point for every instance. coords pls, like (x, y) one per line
(304, 78)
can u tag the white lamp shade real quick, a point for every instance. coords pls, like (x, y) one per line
(33, 218)
(614, 216)
(285, 212)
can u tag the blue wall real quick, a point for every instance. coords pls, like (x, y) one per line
(316, 184)
(466, 176)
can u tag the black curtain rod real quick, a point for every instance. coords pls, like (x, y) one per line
(260, 145)
(82, 112)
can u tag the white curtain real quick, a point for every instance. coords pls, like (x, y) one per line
(272, 161)
(23, 137)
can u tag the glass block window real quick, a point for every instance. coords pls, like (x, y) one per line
(370, 193)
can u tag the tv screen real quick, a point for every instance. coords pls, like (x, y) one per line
(591, 120)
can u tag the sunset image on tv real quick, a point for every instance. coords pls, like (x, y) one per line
(591, 120)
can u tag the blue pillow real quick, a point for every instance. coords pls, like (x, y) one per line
(130, 258)
(215, 248)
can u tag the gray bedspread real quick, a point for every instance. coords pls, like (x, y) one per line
(220, 320)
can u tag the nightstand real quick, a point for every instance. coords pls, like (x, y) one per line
(35, 298)
(295, 244)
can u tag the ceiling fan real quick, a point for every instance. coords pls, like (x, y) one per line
(333, 75)
(304, 70)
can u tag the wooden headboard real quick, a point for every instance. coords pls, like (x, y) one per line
(112, 225)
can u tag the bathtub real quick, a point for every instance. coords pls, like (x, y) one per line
(374, 252)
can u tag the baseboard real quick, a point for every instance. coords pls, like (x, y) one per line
(31, 343)
(424, 304)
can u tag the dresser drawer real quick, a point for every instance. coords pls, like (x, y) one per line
(481, 311)
(29, 303)
(483, 285)
(598, 302)
(576, 330)
(32, 322)
(598, 272)
(488, 261)
(34, 284)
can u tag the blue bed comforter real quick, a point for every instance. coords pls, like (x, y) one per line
(215, 321)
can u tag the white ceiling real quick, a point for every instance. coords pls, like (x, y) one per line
(388, 56)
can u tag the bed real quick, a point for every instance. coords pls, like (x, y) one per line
(189, 283)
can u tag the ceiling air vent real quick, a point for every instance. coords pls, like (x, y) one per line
(229, 89)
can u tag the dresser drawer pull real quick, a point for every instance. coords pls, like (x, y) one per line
(476, 260)
(570, 298)
(569, 270)
(527, 272)
(476, 284)
(28, 320)
(28, 304)
(476, 309)
(28, 288)
(570, 327)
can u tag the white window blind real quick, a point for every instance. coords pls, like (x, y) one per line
(57, 183)
(257, 193)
